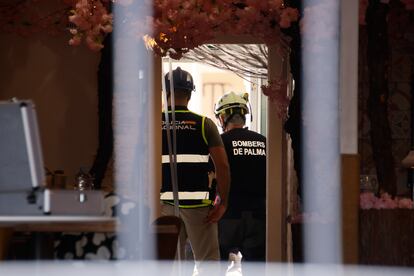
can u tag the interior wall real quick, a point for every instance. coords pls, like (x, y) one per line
(400, 78)
(62, 82)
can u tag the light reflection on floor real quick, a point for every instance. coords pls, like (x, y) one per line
(40, 268)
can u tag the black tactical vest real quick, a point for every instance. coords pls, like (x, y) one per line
(192, 153)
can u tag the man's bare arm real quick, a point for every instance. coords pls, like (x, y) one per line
(222, 170)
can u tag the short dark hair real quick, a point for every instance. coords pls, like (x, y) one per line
(235, 118)
(181, 93)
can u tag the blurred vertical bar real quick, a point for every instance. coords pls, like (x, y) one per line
(135, 132)
(349, 128)
(275, 171)
(321, 148)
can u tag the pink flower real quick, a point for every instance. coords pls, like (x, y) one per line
(80, 22)
(276, 91)
(312, 217)
(405, 203)
(388, 201)
(92, 22)
(107, 28)
(288, 16)
(380, 204)
(367, 200)
(93, 44)
(73, 31)
(107, 17)
(181, 25)
(75, 41)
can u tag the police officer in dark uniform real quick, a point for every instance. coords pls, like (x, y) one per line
(197, 140)
(243, 226)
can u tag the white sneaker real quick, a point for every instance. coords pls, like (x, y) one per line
(235, 269)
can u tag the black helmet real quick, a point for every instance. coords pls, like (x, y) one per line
(182, 80)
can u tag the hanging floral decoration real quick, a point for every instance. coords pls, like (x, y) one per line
(174, 28)
(91, 22)
(177, 26)
(178, 29)
(86, 20)
(276, 91)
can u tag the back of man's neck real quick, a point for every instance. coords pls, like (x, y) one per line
(178, 102)
(233, 126)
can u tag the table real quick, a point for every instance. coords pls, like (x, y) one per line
(166, 229)
(49, 224)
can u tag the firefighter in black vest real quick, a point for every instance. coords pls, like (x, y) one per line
(197, 139)
(243, 226)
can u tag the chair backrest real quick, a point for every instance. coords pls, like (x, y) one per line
(167, 233)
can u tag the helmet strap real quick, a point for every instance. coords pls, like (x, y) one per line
(226, 120)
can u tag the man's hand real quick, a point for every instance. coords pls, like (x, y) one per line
(221, 164)
(215, 214)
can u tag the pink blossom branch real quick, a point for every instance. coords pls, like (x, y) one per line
(92, 22)
(276, 90)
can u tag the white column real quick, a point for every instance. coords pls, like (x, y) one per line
(321, 146)
(136, 136)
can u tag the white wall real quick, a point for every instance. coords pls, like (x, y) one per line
(203, 100)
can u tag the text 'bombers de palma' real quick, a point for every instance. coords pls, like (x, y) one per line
(248, 147)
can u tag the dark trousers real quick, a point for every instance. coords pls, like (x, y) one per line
(245, 233)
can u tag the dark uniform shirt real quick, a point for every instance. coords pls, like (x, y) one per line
(246, 151)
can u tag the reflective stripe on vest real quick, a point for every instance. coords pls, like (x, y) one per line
(187, 158)
(204, 203)
(185, 195)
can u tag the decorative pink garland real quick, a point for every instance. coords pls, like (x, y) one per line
(92, 21)
(368, 200)
(179, 26)
(276, 91)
